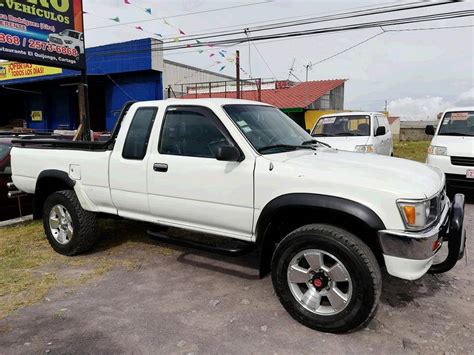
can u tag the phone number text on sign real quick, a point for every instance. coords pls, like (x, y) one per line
(9, 39)
(45, 46)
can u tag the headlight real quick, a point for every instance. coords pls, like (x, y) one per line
(365, 148)
(437, 150)
(419, 214)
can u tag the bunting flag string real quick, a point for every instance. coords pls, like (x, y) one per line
(221, 52)
(148, 10)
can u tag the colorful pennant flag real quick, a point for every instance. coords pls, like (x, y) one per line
(181, 32)
(211, 55)
(159, 35)
(222, 68)
(139, 28)
(148, 10)
(116, 19)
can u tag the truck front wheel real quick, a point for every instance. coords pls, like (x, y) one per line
(70, 230)
(326, 278)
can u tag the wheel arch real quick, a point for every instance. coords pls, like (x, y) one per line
(48, 182)
(288, 212)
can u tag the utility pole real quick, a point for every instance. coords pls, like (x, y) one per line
(292, 68)
(237, 74)
(308, 67)
(83, 91)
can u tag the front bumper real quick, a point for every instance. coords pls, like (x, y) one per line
(409, 255)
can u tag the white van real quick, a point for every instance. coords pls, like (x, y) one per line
(452, 147)
(365, 132)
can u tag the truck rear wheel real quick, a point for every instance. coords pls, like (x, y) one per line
(70, 229)
(326, 278)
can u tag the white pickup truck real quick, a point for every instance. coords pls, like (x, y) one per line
(323, 221)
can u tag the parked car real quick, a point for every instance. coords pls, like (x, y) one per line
(365, 132)
(10, 208)
(68, 38)
(324, 221)
(452, 148)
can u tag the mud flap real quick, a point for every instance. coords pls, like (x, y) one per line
(456, 237)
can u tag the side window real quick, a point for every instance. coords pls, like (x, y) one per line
(138, 134)
(191, 132)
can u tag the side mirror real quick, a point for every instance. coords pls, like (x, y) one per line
(380, 131)
(228, 153)
(430, 130)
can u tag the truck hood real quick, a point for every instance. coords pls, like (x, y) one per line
(457, 146)
(344, 143)
(401, 177)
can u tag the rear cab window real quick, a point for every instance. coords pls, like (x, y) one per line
(138, 134)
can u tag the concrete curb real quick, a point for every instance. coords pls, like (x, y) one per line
(13, 222)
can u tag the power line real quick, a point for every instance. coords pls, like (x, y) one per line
(364, 25)
(182, 15)
(384, 32)
(348, 49)
(319, 19)
(337, 16)
(260, 54)
(238, 26)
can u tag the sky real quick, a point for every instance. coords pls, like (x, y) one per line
(418, 73)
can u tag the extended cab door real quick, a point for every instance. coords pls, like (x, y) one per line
(128, 164)
(188, 187)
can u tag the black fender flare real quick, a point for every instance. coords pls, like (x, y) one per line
(340, 204)
(41, 192)
(308, 200)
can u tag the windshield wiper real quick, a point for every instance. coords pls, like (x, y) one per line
(322, 135)
(287, 146)
(456, 134)
(342, 134)
(312, 141)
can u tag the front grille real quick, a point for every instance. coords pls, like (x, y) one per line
(463, 161)
(56, 40)
(459, 181)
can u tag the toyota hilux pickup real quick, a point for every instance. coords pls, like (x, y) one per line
(323, 222)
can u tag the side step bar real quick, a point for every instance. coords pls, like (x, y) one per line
(227, 246)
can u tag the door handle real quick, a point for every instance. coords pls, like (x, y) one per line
(160, 167)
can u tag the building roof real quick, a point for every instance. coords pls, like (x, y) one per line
(300, 95)
(392, 119)
(190, 67)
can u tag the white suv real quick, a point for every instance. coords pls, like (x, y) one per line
(452, 147)
(365, 132)
(68, 38)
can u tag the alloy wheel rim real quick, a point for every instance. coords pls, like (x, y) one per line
(319, 282)
(60, 224)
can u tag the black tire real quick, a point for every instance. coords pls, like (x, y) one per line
(356, 257)
(84, 223)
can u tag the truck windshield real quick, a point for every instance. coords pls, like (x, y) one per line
(457, 124)
(342, 126)
(268, 129)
